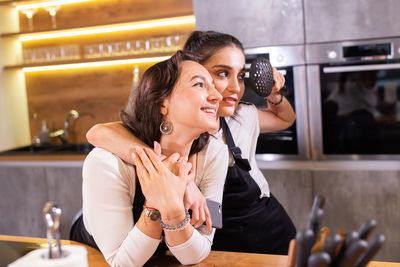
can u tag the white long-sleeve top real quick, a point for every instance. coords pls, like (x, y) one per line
(108, 192)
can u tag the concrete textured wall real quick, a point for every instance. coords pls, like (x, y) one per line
(288, 22)
(352, 196)
(25, 190)
(255, 23)
(338, 20)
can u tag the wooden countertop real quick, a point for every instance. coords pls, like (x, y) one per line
(216, 258)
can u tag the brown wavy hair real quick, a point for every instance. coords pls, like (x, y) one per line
(142, 114)
(204, 44)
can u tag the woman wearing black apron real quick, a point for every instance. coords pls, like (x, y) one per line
(250, 223)
(254, 221)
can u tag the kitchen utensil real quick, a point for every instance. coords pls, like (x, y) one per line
(350, 238)
(332, 243)
(366, 229)
(343, 235)
(316, 215)
(52, 216)
(304, 240)
(261, 76)
(373, 248)
(351, 253)
(319, 259)
(321, 240)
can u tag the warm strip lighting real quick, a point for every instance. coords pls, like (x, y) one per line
(48, 3)
(114, 28)
(95, 64)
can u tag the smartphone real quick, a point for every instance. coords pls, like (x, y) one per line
(215, 210)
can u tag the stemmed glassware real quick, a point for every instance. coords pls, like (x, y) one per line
(29, 14)
(53, 12)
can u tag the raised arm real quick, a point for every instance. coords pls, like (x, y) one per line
(279, 116)
(114, 137)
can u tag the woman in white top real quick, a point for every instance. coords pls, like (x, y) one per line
(175, 104)
(268, 230)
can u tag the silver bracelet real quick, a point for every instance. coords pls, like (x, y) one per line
(182, 225)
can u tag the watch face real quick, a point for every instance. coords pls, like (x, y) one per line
(154, 215)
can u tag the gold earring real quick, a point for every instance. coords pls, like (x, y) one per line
(166, 127)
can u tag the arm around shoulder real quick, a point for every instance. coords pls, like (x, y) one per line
(114, 137)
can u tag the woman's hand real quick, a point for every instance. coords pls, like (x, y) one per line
(195, 201)
(162, 189)
(279, 82)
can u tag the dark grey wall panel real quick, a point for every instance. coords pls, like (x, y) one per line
(353, 197)
(255, 23)
(23, 192)
(65, 188)
(293, 189)
(327, 20)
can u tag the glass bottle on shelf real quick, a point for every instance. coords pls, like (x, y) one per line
(53, 12)
(29, 13)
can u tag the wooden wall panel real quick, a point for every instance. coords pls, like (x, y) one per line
(97, 94)
(98, 12)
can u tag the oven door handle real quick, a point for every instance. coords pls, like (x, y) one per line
(361, 68)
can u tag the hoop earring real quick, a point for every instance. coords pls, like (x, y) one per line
(166, 127)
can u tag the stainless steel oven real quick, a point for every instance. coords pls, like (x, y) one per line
(291, 143)
(354, 99)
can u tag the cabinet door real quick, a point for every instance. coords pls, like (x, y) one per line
(255, 23)
(338, 20)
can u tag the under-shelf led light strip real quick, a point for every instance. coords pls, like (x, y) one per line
(108, 29)
(95, 64)
(47, 4)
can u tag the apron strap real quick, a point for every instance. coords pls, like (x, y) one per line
(236, 152)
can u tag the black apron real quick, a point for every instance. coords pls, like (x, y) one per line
(250, 223)
(79, 233)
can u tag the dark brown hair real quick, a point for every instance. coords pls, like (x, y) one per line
(142, 114)
(204, 44)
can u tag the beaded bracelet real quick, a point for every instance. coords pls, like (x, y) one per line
(182, 225)
(276, 103)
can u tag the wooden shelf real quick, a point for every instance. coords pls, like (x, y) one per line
(85, 60)
(12, 34)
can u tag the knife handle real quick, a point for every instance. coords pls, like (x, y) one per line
(319, 202)
(366, 229)
(319, 259)
(373, 248)
(304, 240)
(351, 253)
(321, 240)
(332, 243)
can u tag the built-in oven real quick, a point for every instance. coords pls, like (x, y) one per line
(291, 143)
(354, 99)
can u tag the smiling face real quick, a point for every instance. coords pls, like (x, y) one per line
(193, 104)
(227, 68)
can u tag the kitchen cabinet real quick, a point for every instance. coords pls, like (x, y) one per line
(255, 23)
(87, 60)
(340, 20)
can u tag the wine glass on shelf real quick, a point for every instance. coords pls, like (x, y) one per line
(53, 12)
(29, 13)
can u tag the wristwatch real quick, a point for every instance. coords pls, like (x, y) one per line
(151, 213)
